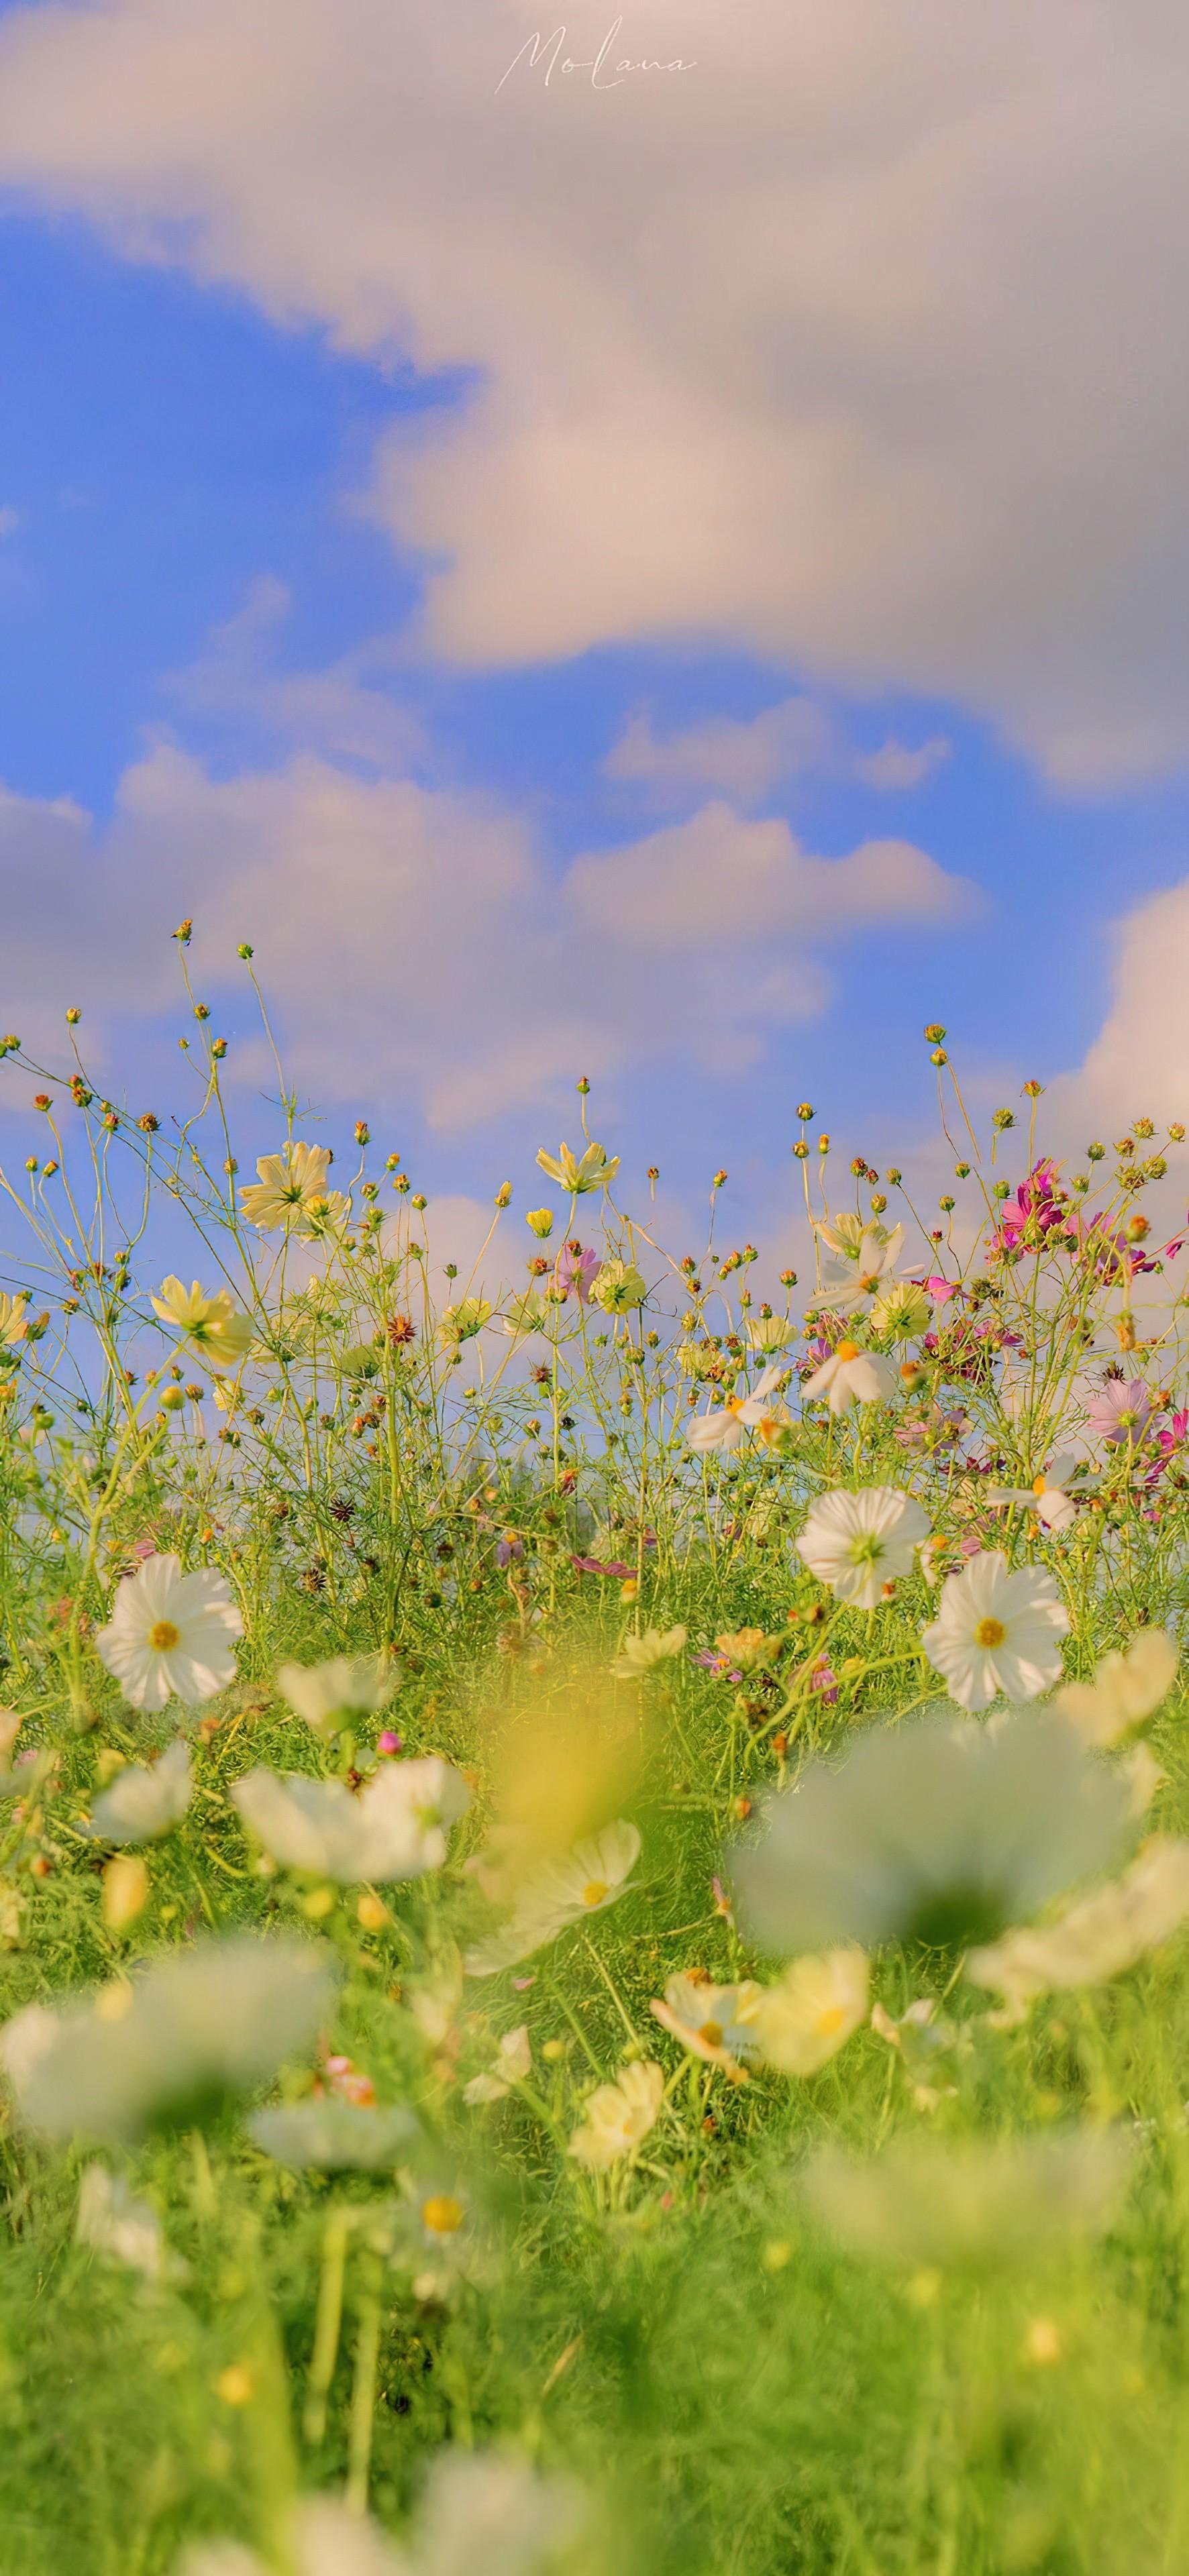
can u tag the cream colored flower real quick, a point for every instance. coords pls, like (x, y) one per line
(902, 1312)
(745, 1647)
(860, 1275)
(144, 1800)
(845, 1235)
(803, 2021)
(170, 1632)
(14, 1319)
(727, 1427)
(715, 2023)
(640, 1655)
(212, 1326)
(112, 2221)
(617, 2117)
(1126, 1689)
(1046, 1495)
(770, 1333)
(288, 1183)
(584, 1882)
(460, 1323)
(512, 2064)
(323, 1216)
(395, 1827)
(592, 1172)
(851, 1376)
(997, 1631)
(858, 1542)
(330, 1695)
(618, 1287)
(1100, 1937)
(525, 1314)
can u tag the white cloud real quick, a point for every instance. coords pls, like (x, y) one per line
(1138, 1064)
(746, 758)
(859, 344)
(333, 711)
(414, 938)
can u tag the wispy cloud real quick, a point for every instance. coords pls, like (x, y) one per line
(746, 758)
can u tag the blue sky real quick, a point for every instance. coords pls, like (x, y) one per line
(215, 434)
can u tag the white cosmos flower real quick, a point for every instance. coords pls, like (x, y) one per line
(216, 2019)
(170, 1633)
(970, 2201)
(715, 2023)
(858, 1542)
(616, 2118)
(584, 1882)
(996, 1631)
(1046, 1495)
(1126, 1689)
(770, 1332)
(334, 2136)
(212, 1326)
(592, 1171)
(512, 2064)
(287, 1183)
(481, 2512)
(639, 1655)
(727, 1427)
(851, 1376)
(868, 1271)
(394, 1828)
(145, 1799)
(328, 1695)
(803, 2021)
(941, 1832)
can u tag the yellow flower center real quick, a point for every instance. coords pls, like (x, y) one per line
(594, 1891)
(831, 2019)
(443, 2214)
(990, 1632)
(1038, 1484)
(735, 1403)
(711, 2033)
(847, 1351)
(164, 1637)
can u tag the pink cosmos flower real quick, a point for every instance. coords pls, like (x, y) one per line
(574, 1269)
(1118, 1410)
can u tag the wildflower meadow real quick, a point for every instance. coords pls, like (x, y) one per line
(595, 1875)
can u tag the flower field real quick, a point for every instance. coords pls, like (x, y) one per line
(594, 1892)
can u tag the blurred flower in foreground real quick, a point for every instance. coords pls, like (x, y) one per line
(145, 1799)
(457, 1324)
(996, 1631)
(211, 1326)
(801, 2022)
(1100, 1937)
(639, 1655)
(112, 2221)
(592, 1172)
(512, 2064)
(481, 2511)
(163, 2051)
(170, 1633)
(616, 2118)
(559, 1893)
(851, 1376)
(857, 1542)
(395, 1828)
(715, 2023)
(334, 2136)
(1127, 1688)
(977, 2202)
(329, 1695)
(942, 1833)
(287, 1185)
